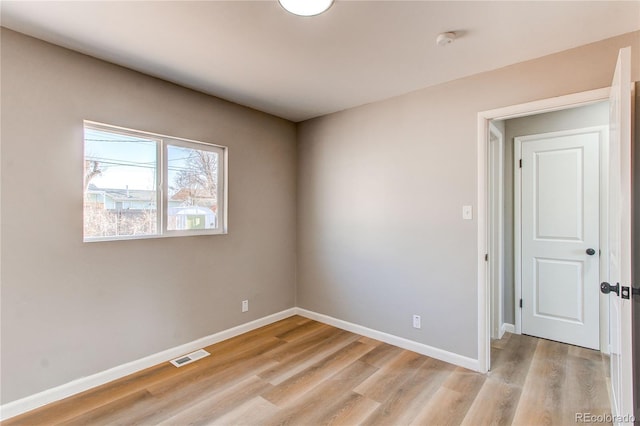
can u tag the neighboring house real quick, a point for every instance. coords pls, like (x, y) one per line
(120, 199)
(183, 214)
(198, 197)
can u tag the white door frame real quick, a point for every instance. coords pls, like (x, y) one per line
(496, 222)
(603, 159)
(484, 119)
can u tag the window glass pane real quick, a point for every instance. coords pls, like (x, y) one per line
(119, 184)
(193, 188)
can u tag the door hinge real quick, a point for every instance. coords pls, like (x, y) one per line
(521, 303)
(486, 257)
(521, 163)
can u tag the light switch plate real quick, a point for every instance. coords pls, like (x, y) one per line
(467, 212)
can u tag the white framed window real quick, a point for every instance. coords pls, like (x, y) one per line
(144, 185)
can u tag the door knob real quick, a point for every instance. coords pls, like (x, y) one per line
(591, 251)
(607, 288)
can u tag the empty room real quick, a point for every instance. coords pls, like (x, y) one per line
(314, 212)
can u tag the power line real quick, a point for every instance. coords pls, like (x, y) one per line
(138, 141)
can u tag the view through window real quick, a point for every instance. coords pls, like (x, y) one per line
(139, 185)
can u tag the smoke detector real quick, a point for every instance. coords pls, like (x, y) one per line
(445, 38)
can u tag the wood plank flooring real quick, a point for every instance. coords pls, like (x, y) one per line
(301, 372)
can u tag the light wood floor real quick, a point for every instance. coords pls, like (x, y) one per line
(301, 372)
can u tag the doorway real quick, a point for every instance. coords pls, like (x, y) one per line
(618, 254)
(538, 109)
(572, 125)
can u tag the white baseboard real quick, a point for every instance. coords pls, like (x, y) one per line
(507, 328)
(401, 342)
(48, 396)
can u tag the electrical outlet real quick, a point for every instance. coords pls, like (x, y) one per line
(245, 305)
(417, 322)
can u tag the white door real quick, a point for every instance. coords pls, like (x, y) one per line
(620, 309)
(560, 206)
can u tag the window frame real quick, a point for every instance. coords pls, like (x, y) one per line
(162, 182)
(221, 191)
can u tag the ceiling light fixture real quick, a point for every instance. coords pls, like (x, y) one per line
(306, 7)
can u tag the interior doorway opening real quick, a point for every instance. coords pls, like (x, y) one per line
(488, 220)
(505, 224)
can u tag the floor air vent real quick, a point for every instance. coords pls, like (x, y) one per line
(189, 358)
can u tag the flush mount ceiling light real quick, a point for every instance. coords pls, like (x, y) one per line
(306, 7)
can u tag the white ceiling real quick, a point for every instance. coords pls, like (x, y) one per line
(256, 54)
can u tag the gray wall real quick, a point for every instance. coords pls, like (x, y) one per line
(70, 309)
(381, 188)
(590, 115)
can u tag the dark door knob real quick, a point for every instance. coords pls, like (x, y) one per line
(607, 288)
(591, 251)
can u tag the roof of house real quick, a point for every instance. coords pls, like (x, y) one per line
(119, 194)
